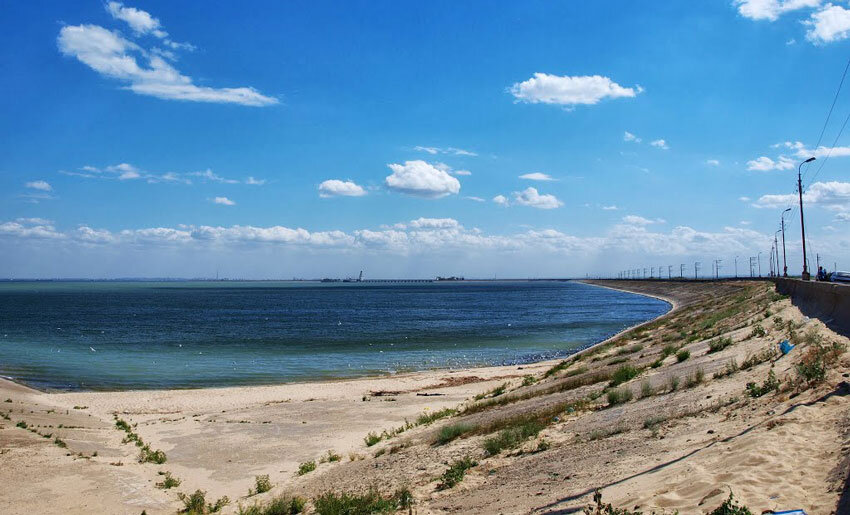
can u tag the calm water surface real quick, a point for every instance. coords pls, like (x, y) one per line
(111, 335)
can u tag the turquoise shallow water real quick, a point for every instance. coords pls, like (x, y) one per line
(141, 335)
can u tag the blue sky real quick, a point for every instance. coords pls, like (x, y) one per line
(479, 138)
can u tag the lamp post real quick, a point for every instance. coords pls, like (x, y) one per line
(776, 246)
(759, 263)
(784, 261)
(806, 275)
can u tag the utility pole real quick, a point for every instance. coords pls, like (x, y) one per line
(717, 268)
(752, 266)
(806, 275)
(776, 247)
(682, 271)
(736, 267)
(759, 263)
(696, 270)
(784, 260)
(669, 271)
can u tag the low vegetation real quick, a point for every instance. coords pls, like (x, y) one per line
(306, 467)
(452, 431)
(262, 484)
(168, 481)
(512, 437)
(455, 473)
(196, 503)
(817, 359)
(623, 374)
(683, 355)
(770, 384)
(283, 505)
(346, 503)
(619, 396)
(718, 344)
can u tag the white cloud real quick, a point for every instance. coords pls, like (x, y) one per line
(744, 199)
(570, 91)
(501, 200)
(842, 217)
(462, 172)
(30, 228)
(530, 197)
(39, 185)
(628, 136)
(639, 220)
(448, 150)
(802, 152)
(764, 164)
(610, 208)
(140, 21)
(224, 201)
(476, 199)
(111, 55)
(771, 9)
(421, 179)
(435, 223)
(834, 196)
(337, 188)
(537, 176)
(712, 162)
(209, 175)
(660, 143)
(832, 23)
(255, 182)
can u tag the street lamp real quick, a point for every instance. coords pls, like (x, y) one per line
(776, 246)
(784, 261)
(759, 263)
(806, 275)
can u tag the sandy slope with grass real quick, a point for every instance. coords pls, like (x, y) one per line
(670, 415)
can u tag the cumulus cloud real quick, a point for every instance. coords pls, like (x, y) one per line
(537, 176)
(830, 24)
(712, 162)
(531, 198)
(834, 196)
(39, 185)
(338, 188)
(842, 217)
(765, 164)
(145, 72)
(424, 236)
(771, 9)
(224, 201)
(501, 200)
(660, 143)
(628, 136)
(421, 179)
(569, 91)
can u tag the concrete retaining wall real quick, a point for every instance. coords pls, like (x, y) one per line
(828, 302)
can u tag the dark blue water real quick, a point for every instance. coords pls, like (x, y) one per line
(108, 335)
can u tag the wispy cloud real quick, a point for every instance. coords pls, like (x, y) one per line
(628, 136)
(128, 172)
(639, 220)
(537, 176)
(447, 150)
(712, 162)
(39, 185)
(660, 143)
(146, 71)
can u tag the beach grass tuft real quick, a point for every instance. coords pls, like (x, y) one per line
(452, 431)
(344, 503)
(306, 467)
(455, 473)
(196, 503)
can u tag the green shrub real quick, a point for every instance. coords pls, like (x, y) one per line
(345, 503)
(730, 368)
(513, 436)
(819, 356)
(731, 507)
(495, 392)
(682, 355)
(657, 363)
(21, 424)
(758, 358)
(668, 350)
(262, 484)
(168, 482)
(600, 508)
(718, 344)
(450, 432)
(306, 467)
(619, 396)
(770, 384)
(196, 503)
(283, 505)
(455, 473)
(146, 455)
(654, 421)
(371, 439)
(557, 368)
(528, 380)
(427, 418)
(757, 332)
(623, 374)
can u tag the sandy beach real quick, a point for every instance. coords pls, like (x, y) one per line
(682, 447)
